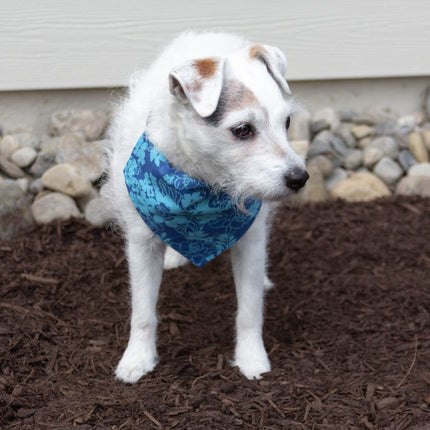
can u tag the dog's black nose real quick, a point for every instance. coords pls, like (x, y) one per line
(296, 179)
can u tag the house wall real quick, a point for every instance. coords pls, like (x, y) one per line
(339, 52)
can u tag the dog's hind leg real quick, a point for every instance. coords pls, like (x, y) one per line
(145, 259)
(249, 264)
(172, 259)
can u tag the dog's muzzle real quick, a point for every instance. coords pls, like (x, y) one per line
(296, 179)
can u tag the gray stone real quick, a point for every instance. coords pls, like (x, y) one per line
(325, 143)
(339, 149)
(388, 170)
(387, 145)
(406, 159)
(336, 176)
(347, 115)
(44, 161)
(374, 115)
(407, 123)
(414, 186)
(15, 212)
(8, 145)
(320, 144)
(88, 157)
(91, 123)
(27, 139)
(98, 212)
(23, 157)
(387, 128)
(36, 186)
(54, 207)
(354, 159)
(420, 169)
(66, 179)
(324, 119)
(344, 132)
(10, 169)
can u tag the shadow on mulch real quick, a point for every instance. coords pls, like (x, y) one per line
(347, 327)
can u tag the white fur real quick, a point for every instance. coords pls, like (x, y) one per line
(174, 120)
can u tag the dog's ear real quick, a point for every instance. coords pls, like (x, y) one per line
(200, 83)
(275, 61)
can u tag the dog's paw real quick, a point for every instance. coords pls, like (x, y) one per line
(252, 365)
(173, 259)
(268, 284)
(133, 366)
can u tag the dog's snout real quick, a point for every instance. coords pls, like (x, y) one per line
(296, 179)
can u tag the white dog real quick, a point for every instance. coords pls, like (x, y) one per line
(218, 109)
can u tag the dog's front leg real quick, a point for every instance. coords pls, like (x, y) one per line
(145, 260)
(249, 266)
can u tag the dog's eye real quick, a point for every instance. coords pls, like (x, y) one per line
(243, 131)
(288, 122)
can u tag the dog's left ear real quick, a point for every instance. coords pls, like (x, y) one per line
(200, 83)
(275, 61)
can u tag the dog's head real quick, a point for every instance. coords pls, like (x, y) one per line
(233, 116)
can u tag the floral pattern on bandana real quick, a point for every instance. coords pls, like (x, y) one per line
(182, 211)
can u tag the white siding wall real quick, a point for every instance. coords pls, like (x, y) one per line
(79, 44)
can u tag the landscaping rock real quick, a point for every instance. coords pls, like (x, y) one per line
(417, 147)
(14, 209)
(10, 169)
(324, 119)
(414, 186)
(44, 161)
(354, 159)
(98, 212)
(8, 145)
(336, 176)
(371, 155)
(66, 179)
(23, 157)
(300, 146)
(360, 187)
(421, 169)
(54, 207)
(387, 145)
(323, 164)
(375, 114)
(406, 159)
(91, 123)
(300, 126)
(388, 170)
(88, 157)
(361, 131)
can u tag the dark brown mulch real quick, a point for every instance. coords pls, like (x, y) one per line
(347, 327)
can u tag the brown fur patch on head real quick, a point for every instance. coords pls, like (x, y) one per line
(257, 51)
(206, 68)
(234, 96)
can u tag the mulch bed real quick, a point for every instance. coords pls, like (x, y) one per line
(347, 327)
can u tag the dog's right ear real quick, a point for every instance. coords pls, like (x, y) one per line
(200, 83)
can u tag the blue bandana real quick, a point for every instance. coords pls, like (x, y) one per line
(185, 213)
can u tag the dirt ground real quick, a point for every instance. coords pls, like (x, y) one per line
(347, 327)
